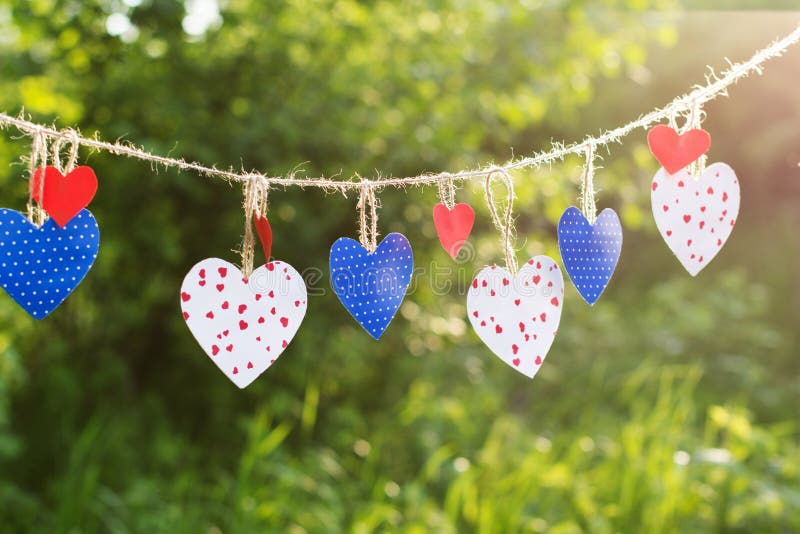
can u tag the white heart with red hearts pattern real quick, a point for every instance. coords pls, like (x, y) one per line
(243, 324)
(517, 316)
(695, 215)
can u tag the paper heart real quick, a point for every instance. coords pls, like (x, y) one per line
(453, 226)
(517, 316)
(675, 151)
(371, 285)
(41, 266)
(695, 215)
(590, 252)
(65, 196)
(243, 324)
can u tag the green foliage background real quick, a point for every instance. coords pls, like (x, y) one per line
(669, 406)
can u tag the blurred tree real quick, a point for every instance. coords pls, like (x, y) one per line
(111, 418)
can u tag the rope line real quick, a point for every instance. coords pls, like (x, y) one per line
(715, 86)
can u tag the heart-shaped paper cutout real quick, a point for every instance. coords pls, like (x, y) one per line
(453, 226)
(371, 286)
(41, 266)
(590, 252)
(243, 324)
(517, 316)
(675, 151)
(695, 215)
(65, 196)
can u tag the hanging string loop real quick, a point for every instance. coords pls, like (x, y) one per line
(71, 136)
(447, 190)
(588, 203)
(505, 225)
(249, 205)
(368, 216)
(37, 163)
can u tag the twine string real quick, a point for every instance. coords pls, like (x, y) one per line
(262, 197)
(67, 134)
(505, 225)
(716, 85)
(249, 205)
(697, 116)
(37, 160)
(447, 191)
(693, 119)
(588, 203)
(368, 216)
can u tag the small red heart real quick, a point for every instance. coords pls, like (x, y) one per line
(284, 322)
(222, 272)
(675, 151)
(249, 365)
(498, 329)
(185, 296)
(220, 287)
(242, 308)
(225, 305)
(214, 350)
(453, 226)
(538, 360)
(265, 234)
(515, 361)
(537, 279)
(65, 196)
(242, 325)
(554, 301)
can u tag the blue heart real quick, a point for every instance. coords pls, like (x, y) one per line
(40, 267)
(372, 285)
(590, 252)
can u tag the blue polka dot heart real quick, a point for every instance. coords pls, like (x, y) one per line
(590, 252)
(372, 285)
(40, 267)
